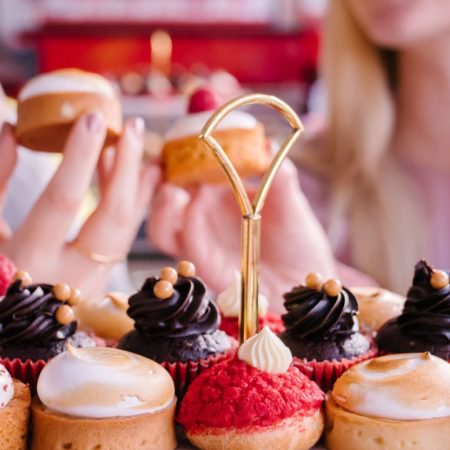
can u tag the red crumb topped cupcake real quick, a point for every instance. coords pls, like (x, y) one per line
(229, 303)
(256, 400)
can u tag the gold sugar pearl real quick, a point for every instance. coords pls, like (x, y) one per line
(163, 289)
(332, 287)
(64, 314)
(24, 277)
(314, 280)
(75, 297)
(61, 291)
(169, 274)
(186, 269)
(439, 279)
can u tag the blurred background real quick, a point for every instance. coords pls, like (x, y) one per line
(156, 52)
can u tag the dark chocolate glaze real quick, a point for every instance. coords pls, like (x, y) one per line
(424, 324)
(322, 327)
(181, 328)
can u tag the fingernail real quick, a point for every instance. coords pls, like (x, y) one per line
(94, 122)
(137, 125)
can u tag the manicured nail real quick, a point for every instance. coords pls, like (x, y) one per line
(137, 125)
(94, 122)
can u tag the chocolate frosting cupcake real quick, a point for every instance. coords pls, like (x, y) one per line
(180, 328)
(322, 323)
(29, 328)
(424, 324)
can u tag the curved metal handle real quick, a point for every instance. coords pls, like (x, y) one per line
(251, 219)
(251, 208)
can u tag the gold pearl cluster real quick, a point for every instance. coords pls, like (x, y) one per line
(168, 276)
(439, 279)
(331, 287)
(62, 292)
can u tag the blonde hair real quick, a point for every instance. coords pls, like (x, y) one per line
(369, 190)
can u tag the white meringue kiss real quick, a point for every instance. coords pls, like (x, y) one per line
(104, 382)
(229, 301)
(266, 352)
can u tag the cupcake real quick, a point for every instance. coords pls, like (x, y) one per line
(177, 325)
(36, 323)
(106, 316)
(15, 403)
(257, 400)
(229, 302)
(424, 324)
(322, 329)
(103, 398)
(376, 307)
(187, 160)
(392, 402)
(49, 104)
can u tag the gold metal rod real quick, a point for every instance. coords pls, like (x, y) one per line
(251, 219)
(250, 242)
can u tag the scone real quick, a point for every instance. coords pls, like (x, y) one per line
(255, 401)
(187, 160)
(376, 306)
(392, 402)
(103, 398)
(15, 402)
(49, 104)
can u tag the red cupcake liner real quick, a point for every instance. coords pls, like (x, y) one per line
(325, 373)
(183, 374)
(26, 371)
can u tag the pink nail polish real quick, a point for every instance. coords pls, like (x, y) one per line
(138, 126)
(94, 122)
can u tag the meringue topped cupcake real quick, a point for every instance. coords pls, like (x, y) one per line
(229, 302)
(255, 401)
(176, 324)
(376, 307)
(424, 324)
(103, 398)
(322, 329)
(36, 323)
(15, 402)
(391, 402)
(106, 316)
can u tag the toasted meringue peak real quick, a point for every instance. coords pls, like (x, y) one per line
(409, 386)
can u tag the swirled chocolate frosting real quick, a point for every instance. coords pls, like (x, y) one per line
(312, 314)
(27, 315)
(322, 327)
(424, 324)
(188, 312)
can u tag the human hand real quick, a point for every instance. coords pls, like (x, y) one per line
(40, 245)
(204, 227)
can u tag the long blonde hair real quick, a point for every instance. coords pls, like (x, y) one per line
(369, 190)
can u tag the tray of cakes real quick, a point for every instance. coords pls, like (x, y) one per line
(171, 366)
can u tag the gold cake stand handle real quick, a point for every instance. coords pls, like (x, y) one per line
(251, 210)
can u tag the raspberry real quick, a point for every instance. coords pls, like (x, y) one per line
(7, 271)
(203, 99)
